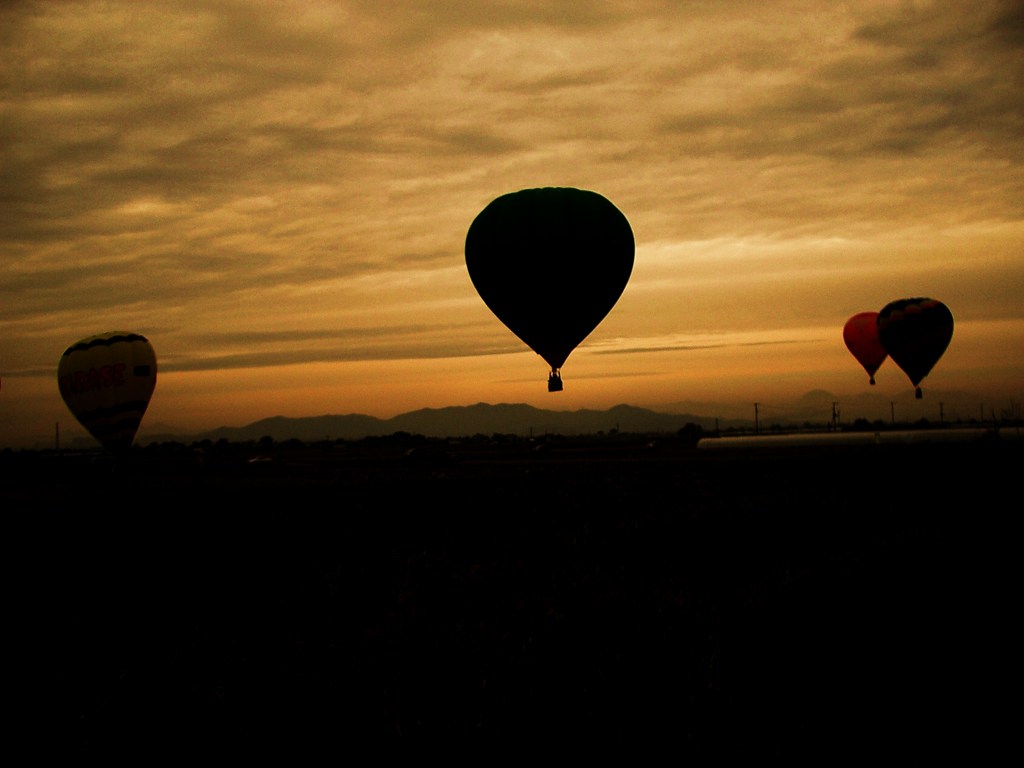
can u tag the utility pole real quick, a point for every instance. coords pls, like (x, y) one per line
(757, 424)
(941, 415)
(835, 417)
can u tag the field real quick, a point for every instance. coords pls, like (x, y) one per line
(848, 601)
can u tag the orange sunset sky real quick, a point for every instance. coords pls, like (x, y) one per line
(277, 195)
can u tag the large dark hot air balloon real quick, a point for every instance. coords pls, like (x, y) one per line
(915, 333)
(861, 336)
(550, 263)
(107, 381)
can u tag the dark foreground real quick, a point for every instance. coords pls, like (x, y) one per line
(848, 601)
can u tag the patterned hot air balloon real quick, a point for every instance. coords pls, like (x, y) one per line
(107, 381)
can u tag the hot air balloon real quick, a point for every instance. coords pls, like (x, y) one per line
(106, 382)
(861, 336)
(915, 333)
(550, 263)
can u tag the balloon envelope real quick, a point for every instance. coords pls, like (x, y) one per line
(915, 332)
(106, 382)
(861, 336)
(550, 263)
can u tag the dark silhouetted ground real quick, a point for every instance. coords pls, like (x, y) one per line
(854, 601)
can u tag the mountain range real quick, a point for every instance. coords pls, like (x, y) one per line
(815, 407)
(454, 421)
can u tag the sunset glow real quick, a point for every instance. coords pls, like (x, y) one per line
(279, 200)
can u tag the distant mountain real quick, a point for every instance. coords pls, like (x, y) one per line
(349, 427)
(455, 421)
(814, 407)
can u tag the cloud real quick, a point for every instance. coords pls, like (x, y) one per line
(695, 347)
(233, 182)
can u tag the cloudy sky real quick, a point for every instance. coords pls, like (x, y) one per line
(277, 195)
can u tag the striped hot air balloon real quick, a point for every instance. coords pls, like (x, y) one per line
(107, 381)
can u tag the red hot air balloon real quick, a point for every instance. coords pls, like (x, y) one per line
(106, 382)
(550, 263)
(915, 334)
(861, 336)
